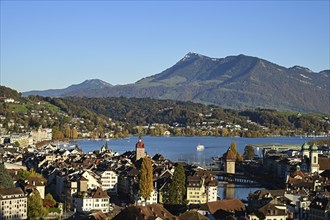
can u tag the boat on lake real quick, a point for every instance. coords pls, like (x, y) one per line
(200, 147)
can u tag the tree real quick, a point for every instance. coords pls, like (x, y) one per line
(23, 175)
(177, 188)
(248, 152)
(146, 182)
(68, 132)
(74, 133)
(224, 132)
(239, 157)
(17, 144)
(57, 134)
(35, 208)
(233, 147)
(49, 201)
(5, 179)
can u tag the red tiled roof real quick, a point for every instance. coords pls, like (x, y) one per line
(229, 155)
(297, 173)
(139, 145)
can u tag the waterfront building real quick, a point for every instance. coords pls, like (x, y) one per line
(230, 159)
(23, 139)
(42, 134)
(13, 204)
(201, 188)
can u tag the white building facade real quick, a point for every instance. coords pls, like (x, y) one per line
(13, 204)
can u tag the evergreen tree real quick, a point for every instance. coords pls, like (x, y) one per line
(177, 188)
(146, 182)
(6, 180)
(35, 208)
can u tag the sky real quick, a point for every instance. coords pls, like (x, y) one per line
(53, 44)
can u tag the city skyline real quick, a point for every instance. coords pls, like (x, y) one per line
(53, 44)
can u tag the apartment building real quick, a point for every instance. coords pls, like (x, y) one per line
(13, 204)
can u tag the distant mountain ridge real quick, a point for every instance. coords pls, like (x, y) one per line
(240, 82)
(88, 85)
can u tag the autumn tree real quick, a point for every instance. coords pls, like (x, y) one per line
(239, 157)
(6, 180)
(74, 133)
(249, 152)
(49, 201)
(35, 209)
(146, 182)
(57, 133)
(233, 147)
(68, 132)
(177, 188)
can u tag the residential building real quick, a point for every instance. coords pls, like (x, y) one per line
(223, 209)
(201, 188)
(270, 211)
(36, 182)
(154, 211)
(23, 139)
(152, 200)
(109, 181)
(92, 201)
(13, 204)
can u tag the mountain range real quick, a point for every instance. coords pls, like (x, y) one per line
(239, 82)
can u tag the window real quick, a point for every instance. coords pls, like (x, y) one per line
(314, 159)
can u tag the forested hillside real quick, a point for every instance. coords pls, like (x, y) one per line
(74, 117)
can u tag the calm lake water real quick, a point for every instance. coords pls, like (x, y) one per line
(184, 149)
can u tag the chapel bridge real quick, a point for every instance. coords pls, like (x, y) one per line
(240, 178)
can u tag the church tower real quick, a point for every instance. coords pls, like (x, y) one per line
(230, 159)
(314, 159)
(304, 151)
(139, 150)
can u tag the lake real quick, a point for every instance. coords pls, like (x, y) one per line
(184, 148)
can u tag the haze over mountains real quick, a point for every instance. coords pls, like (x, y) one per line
(239, 82)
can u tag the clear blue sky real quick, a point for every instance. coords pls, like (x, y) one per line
(53, 44)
